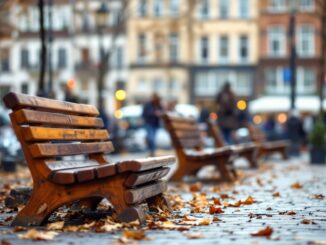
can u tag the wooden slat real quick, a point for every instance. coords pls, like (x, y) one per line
(216, 134)
(180, 134)
(25, 116)
(135, 179)
(17, 101)
(61, 165)
(82, 174)
(144, 164)
(43, 133)
(189, 143)
(139, 194)
(182, 126)
(177, 118)
(66, 149)
(207, 154)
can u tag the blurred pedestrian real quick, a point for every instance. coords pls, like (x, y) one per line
(152, 111)
(227, 112)
(295, 132)
(270, 127)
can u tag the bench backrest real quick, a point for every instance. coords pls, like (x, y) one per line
(184, 132)
(215, 132)
(48, 129)
(256, 134)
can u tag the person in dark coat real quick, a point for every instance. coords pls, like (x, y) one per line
(295, 132)
(227, 112)
(151, 115)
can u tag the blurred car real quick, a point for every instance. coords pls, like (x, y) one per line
(9, 145)
(132, 120)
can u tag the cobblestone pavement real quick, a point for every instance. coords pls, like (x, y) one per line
(296, 214)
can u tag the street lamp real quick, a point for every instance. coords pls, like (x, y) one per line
(293, 6)
(101, 22)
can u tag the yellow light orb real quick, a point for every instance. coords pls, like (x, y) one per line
(257, 119)
(120, 94)
(282, 118)
(242, 105)
(118, 114)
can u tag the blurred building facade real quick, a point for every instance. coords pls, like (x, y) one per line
(75, 50)
(274, 61)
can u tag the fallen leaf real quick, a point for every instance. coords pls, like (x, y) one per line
(109, 227)
(264, 232)
(205, 221)
(291, 213)
(318, 196)
(224, 196)
(36, 235)
(276, 194)
(248, 201)
(296, 185)
(195, 235)
(307, 222)
(215, 210)
(196, 187)
(216, 201)
(135, 235)
(5, 242)
(55, 226)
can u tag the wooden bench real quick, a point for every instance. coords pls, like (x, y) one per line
(246, 150)
(267, 147)
(50, 129)
(190, 151)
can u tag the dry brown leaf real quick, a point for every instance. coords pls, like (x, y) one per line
(224, 196)
(233, 205)
(296, 185)
(276, 194)
(55, 226)
(205, 221)
(5, 242)
(109, 227)
(307, 222)
(195, 235)
(217, 201)
(318, 196)
(195, 187)
(264, 232)
(135, 235)
(250, 200)
(215, 210)
(291, 213)
(36, 235)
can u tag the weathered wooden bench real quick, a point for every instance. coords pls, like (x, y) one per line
(50, 129)
(191, 153)
(245, 150)
(267, 147)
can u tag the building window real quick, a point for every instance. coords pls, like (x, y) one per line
(204, 49)
(158, 85)
(174, 47)
(276, 41)
(306, 80)
(174, 7)
(275, 81)
(224, 9)
(204, 9)
(62, 58)
(24, 58)
(243, 83)
(244, 9)
(24, 88)
(224, 49)
(142, 85)
(4, 60)
(174, 85)
(307, 5)
(142, 7)
(277, 5)
(158, 43)
(306, 41)
(158, 8)
(4, 89)
(141, 47)
(243, 48)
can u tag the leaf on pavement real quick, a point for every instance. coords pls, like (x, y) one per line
(264, 232)
(36, 235)
(55, 226)
(195, 235)
(296, 185)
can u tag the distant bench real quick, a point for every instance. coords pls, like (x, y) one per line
(191, 153)
(49, 129)
(267, 147)
(245, 150)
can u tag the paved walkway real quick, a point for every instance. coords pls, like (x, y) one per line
(289, 198)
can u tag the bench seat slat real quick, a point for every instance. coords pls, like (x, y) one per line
(212, 153)
(137, 195)
(25, 116)
(182, 126)
(17, 101)
(135, 179)
(144, 164)
(67, 164)
(65, 149)
(82, 174)
(43, 133)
